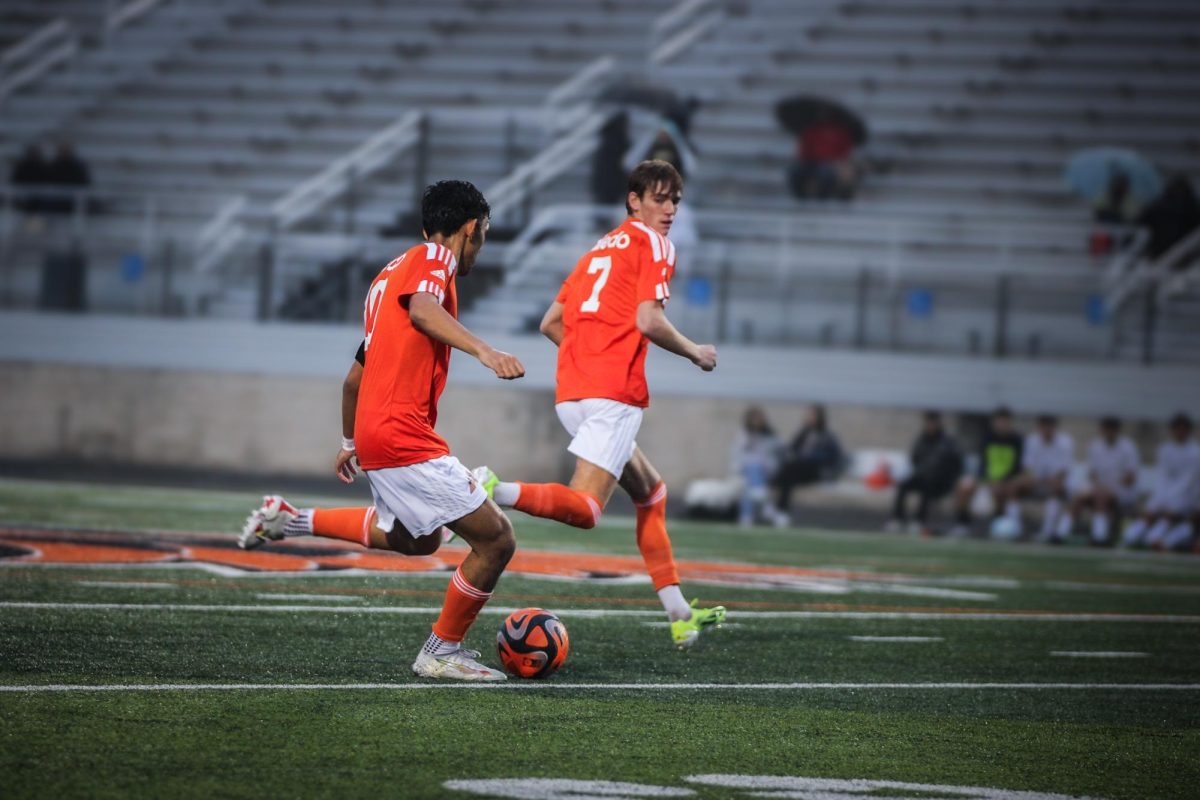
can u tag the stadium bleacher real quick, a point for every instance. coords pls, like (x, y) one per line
(192, 110)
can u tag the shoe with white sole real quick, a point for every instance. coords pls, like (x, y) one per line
(461, 665)
(266, 523)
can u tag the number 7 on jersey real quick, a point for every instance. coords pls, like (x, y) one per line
(601, 264)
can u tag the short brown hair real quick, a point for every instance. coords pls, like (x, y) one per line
(649, 174)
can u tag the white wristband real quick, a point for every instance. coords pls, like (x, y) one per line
(347, 444)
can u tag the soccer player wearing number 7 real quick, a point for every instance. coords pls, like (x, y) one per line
(608, 310)
(389, 408)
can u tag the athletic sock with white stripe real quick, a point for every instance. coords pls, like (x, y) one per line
(301, 525)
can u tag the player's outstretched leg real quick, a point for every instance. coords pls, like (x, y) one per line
(490, 535)
(577, 507)
(649, 493)
(277, 519)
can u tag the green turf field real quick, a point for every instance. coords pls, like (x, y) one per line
(919, 663)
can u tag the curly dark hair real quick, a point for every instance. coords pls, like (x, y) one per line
(448, 205)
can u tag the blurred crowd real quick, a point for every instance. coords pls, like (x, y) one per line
(1011, 486)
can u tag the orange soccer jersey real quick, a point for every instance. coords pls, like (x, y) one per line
(405, 370)
(603, 354)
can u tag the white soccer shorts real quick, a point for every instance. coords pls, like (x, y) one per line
(1171, 500)
(425, 496)
(602, 430)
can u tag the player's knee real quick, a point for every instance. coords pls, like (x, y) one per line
(504, 543)
(428, 545)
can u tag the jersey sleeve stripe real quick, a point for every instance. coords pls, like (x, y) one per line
(658, 291)
(670, 252)
(431, 250)
(655, 246)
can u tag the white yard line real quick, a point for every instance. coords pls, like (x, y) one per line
(552, 685)
(896, 638)
(337, 598)
(723, 625)
(1098, 654)
(128, 584)
(970, 616)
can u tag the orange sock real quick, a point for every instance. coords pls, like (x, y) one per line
(558, 502)
(652, 538)
(347, 524)
(462, 605)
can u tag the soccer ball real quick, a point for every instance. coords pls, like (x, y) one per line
(1006, 528)
(532, 643)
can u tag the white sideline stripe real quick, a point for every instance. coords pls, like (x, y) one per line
(547, 686)
(723, 625)
(1098, 654)
(339, 598)
(128, 584)
(972, 616)
(896, 638)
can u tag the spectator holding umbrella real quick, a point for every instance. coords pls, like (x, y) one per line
(1171, 217)
(826, 137)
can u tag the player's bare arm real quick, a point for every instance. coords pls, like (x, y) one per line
(653, 323)
(552, 323)
(427, 315)
(343, 463)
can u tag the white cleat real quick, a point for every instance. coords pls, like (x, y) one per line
(266, 523)
(461, 665)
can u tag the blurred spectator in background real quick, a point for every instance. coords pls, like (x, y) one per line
(999, 470)
(1048, 457)
(669, 144)
(815, 454)
(824, 165)
(66, 170)
(29, 172)
(755, 459)
(1171, 217)
(1117, 206)
(1112, 483)
(1166, 519)
(609, 176)
(937, 465)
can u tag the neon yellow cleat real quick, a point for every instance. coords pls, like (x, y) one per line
(685, 632)
(486, 479)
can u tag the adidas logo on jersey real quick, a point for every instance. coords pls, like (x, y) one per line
(619, 242)
(439, 273)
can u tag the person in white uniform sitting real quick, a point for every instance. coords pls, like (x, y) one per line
(1048, 456)
(1112, 483)
(1166, 520)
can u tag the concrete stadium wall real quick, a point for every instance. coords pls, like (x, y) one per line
(243, 397)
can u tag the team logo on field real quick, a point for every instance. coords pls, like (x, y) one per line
(220, 554)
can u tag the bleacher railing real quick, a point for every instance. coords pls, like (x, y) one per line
(340, 175)
(1179, 267)
(681, 27)
(35, 55)
(120, 14)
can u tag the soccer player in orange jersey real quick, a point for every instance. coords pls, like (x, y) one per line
(609, 309)
(389, 411)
